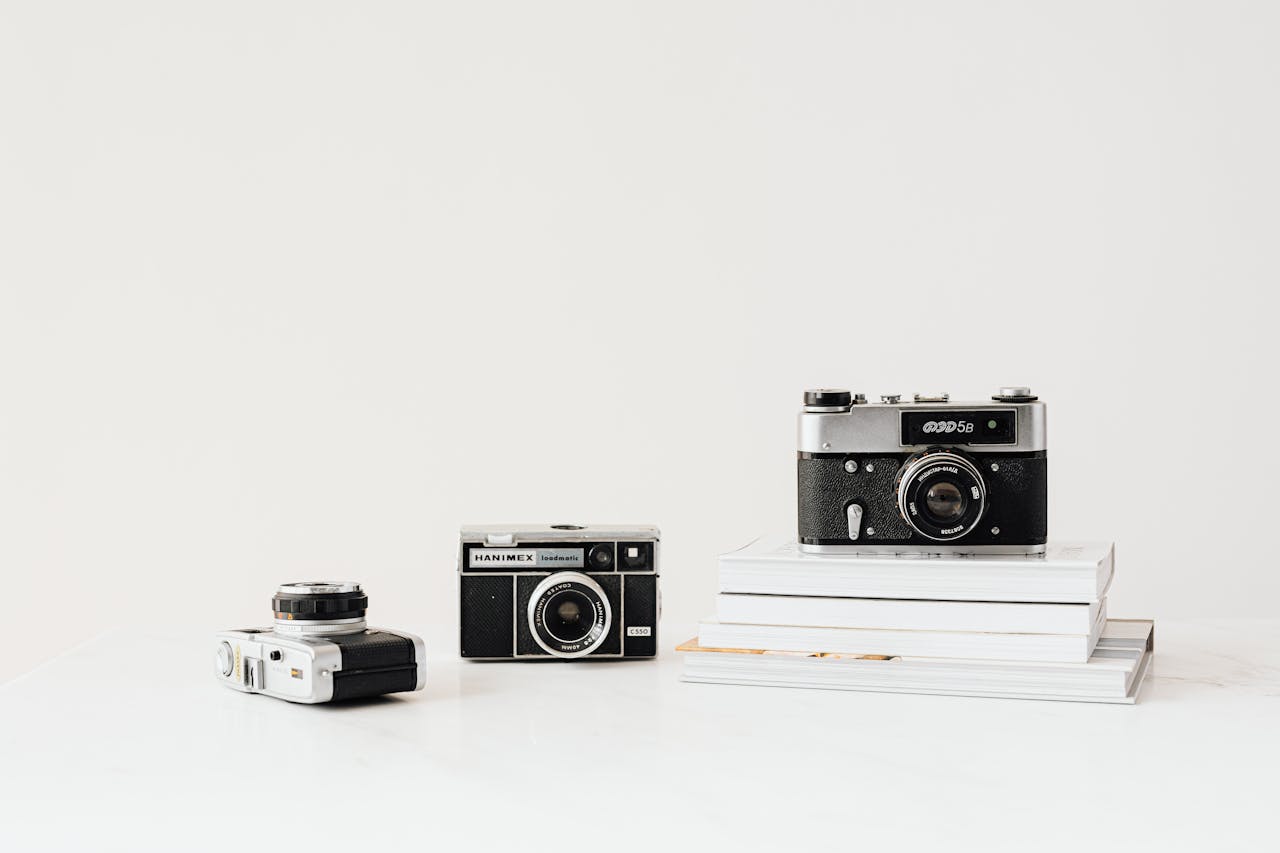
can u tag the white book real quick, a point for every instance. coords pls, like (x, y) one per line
(1070, 573)
(976, 645)
(907, 614)
(1114, 673)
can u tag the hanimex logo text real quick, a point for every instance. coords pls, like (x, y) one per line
(521, 559)
(502, 557)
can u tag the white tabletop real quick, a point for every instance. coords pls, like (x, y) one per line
(128, 743)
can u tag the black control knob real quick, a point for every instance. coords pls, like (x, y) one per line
(828, 398)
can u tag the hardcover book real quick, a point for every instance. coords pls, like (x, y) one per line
(1113, 673)
(907, 614)
(978, 645)
(1068, 573)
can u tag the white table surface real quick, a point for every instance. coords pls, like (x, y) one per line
(127, 743)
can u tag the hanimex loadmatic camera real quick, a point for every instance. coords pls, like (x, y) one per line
(561, 591)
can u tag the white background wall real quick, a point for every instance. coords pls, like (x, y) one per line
(293, 289)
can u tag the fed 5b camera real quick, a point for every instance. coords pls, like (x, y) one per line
(559, 591)
(924, 476)
(319, 649)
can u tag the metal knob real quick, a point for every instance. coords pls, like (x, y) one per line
(224, 660)
(1014, 394)
(827, 399)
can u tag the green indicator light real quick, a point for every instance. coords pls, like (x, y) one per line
(991, 424)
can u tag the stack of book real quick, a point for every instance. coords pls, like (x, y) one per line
(1001, 626)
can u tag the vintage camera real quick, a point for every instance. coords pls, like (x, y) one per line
(319, 649)
(559, 591)
(926, 476)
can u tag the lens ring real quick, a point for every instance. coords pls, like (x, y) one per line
(319, 607)
(956, 486)
(318, 587)
(553, 630)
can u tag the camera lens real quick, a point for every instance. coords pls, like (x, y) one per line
(945, 502)
(601, 557)
(319, 607)
(569, 611)
(569, 614)
(941, 494)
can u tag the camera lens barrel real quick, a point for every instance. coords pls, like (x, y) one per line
(319, 607)
(569, 615)
(941, 494)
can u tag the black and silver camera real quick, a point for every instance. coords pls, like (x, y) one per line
(925, 476)
(559, 591)
(319, 649)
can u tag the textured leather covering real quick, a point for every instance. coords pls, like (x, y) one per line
(372, 648)
(488, 620)
(640, 604)
(363, 684)
(373, 663)
(1017, 500)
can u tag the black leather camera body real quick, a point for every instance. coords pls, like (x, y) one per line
(928, 476)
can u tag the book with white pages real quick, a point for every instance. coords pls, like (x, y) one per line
(1114, 673)
(977, 645)
(907, 614)
(1067, 573)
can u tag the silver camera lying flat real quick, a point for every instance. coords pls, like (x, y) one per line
(319, 649)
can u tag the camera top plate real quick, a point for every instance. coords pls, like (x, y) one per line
(512, 535)
(551, 547)
(890, 425)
